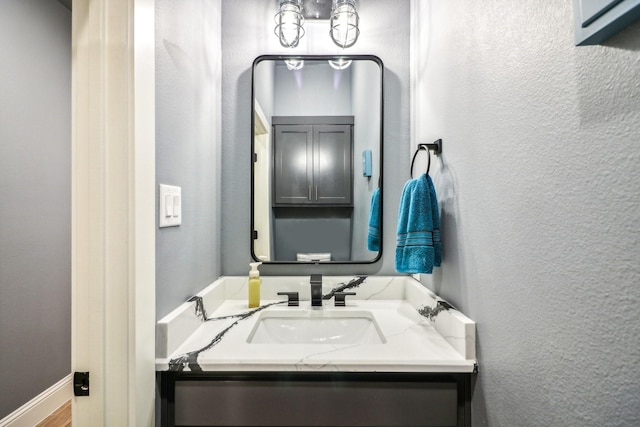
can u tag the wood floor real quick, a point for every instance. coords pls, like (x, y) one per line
(60, 418)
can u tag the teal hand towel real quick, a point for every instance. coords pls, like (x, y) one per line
(418, 247)
(373, 238)
(435, 215)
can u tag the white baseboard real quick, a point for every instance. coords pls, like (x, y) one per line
(41, 406)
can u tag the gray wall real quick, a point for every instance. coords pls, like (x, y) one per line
(540, 198)
(247, 32)
(265, 87)
(316, 90)
(35, 189)
(188, 145)
(367, 134)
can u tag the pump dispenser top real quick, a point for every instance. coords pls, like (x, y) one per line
(254, 269)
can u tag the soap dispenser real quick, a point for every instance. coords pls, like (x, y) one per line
(254, 285)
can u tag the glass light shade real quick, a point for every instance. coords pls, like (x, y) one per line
(289, 23)
(294, 64)
(344, 23)
(339, 63)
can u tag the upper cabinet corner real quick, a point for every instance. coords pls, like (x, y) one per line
(597, 20)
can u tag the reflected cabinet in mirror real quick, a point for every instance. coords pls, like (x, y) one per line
(317, 159)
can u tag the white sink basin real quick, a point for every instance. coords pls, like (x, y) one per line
(322, 327)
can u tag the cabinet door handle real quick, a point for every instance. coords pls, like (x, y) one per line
(309, 192)
(316, 193)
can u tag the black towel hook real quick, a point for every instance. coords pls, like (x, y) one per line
(436, 146)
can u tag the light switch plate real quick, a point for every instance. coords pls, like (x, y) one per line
(170, 206)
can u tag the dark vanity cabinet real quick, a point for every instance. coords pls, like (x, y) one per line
(313, 161)
(315, 399)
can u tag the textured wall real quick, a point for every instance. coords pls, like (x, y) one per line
(35, 196)
(188, 145)
(539, 188)
(247, 32)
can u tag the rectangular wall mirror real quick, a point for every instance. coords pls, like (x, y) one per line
(316, 159)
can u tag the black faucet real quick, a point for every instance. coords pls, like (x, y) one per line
(316, 290)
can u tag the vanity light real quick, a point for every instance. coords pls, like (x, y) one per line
(294, 64)
(289, 23)
(344, 23)
(340, 63)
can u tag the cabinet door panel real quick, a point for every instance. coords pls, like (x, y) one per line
(333, 163)
(293, 167)
(316, 403)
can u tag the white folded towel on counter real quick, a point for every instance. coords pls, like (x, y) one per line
(313, 257)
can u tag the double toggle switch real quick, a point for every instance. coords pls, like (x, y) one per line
(170, 209)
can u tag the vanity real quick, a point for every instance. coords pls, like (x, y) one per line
(394, 354)
(318, 350)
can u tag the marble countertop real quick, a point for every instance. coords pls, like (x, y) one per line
(422, 332)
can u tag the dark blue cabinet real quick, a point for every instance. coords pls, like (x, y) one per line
(313, 161)
(597, 20)
(315, 399)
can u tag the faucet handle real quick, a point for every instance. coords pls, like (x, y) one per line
(340, 298)
(292, 298)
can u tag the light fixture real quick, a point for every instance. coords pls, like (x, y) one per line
(294, 64)
(339, 63)
(289, 23)
(344, 23)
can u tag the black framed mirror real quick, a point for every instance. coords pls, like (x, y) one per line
(316, 175)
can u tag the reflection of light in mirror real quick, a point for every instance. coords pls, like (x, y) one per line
(327, 160)
(340, 63)
(337, 79)
(298, 76)
(300, 162)
(294, 64)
